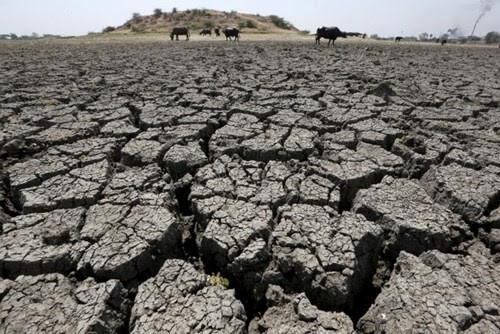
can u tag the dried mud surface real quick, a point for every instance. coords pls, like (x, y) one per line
(251, 187)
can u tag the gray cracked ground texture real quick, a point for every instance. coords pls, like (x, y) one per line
(251, 187)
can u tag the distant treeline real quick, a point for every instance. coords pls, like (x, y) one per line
(34, 35)
(492, 37)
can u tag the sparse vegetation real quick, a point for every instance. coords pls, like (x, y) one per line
(157, 13)
(374, 36)
(218, 280)
(251, 24)
(174, 10)
(281, 22)
(135, 16)
(492, 37)
(423, 36)
(137, 29)
(108, 29)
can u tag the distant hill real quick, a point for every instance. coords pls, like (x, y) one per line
(197, 19)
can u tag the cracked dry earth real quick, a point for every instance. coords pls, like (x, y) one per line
(254, 187)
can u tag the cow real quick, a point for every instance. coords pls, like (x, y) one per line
(442, 41)
(398, 39)
(179, 31)
(231, 32)
(206, 31)
(330, 34)
(217, 32)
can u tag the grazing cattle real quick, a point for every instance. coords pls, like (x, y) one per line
(442, 41)
(206, 31)
(217, 32)
(398, 39)
(179, 31)
(330, 34)
(231, 32)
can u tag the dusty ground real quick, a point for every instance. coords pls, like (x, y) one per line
(261, 187)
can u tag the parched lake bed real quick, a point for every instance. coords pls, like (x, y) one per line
(253, 187)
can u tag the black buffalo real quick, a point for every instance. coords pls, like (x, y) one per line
(217, 32)
(398, 39)
(206, 31)
(179, 31)
(330, 34)
(442, 41)
(231, 32)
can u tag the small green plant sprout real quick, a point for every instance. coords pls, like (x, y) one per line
(218, 280)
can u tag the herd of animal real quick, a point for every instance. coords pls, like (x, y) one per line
(228, 32)
(329, 33)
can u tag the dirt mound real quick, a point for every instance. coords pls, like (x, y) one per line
(197, 19)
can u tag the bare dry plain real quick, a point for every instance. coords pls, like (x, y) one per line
(264, 186)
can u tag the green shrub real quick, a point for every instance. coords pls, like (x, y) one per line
(127, 25)
(137, 29)
(174, 10)
(251, 24)
(210, 24)
(108, 29)
(492, 37)
(157, 13)
(135, 16)
(281, 22)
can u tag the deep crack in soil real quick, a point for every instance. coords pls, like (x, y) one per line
(251, 187)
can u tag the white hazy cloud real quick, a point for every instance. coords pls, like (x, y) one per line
(384, 17)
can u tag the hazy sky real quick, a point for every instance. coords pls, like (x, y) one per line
(384, 17)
